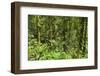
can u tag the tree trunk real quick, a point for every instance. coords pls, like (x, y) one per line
(85, 33)
(38, 29)
(81, 33)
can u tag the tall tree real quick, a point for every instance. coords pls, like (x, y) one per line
(38, 29)
(65, 25)
(81, 33)
(85, 34)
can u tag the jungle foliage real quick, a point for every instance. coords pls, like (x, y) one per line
(57, 37)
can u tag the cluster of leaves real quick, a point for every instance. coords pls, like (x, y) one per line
(45, 52)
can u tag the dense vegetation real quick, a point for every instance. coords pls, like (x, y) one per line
(57, 37)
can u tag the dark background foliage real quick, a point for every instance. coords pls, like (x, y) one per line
(57, 37)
